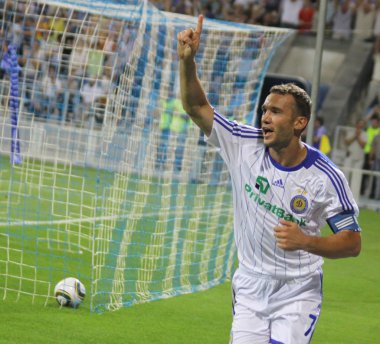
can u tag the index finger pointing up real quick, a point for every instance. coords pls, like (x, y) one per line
(199, 25)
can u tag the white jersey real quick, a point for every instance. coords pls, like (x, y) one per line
(265, 192)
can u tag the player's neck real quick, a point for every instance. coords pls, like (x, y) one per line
(289, 156)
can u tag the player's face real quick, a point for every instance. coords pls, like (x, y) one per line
(279, 120)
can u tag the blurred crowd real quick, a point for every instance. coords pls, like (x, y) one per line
(69, 56)
(72, 61)
(345, 19)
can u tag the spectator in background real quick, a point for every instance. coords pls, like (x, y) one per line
(73, 100)
(32, 67)
(330, 12)
(92, 95)
(78, 57)
(44, 50)
(208, 11)
(245, 3)
(17, 34)
(342, 21)
(197, 6)
(168, 5)
(110, 46)
(375, 162)
(255, 13)
(271, 15)
(355, 141)
(320, 139)
(66, 53)
(239, 13)
(52, 90)
(53, 50)
(372, 130)
(364, 19)
(29, 30)
(290, 12)
(228, 12)
(306, 17)
(183, 7)
(373, 89)
(42, 29)
(173, 120)
(57, 24)
(95, 60)
(215, 6)
(376, 28)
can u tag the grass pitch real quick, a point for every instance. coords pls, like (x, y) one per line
(54, 216)
(350, 312)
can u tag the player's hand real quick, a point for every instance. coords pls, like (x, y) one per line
(289, 236)
(188, 41)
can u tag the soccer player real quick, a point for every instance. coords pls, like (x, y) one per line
(283, 192)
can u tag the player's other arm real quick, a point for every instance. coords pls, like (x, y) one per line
(346, 243)
(193, 97)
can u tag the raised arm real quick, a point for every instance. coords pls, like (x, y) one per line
(194, 99)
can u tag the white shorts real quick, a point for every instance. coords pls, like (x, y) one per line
(267, 310)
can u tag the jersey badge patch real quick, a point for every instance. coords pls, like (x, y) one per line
(299, 204)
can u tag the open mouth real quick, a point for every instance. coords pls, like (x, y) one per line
(267, 131)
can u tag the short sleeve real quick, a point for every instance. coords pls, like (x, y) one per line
(341, 211)
(230, 136)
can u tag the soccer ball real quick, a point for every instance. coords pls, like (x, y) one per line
(70, 292)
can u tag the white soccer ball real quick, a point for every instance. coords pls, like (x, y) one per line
(70, 292)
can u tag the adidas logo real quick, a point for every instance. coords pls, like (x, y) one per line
(278, 183)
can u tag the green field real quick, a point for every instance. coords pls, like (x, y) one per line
(350, 312)
(128, 237)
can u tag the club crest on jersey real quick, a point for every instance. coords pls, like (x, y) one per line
(299, 204)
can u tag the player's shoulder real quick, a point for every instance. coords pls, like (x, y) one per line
(237, 128)
(322, 164)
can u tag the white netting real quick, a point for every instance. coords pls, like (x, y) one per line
(115, 186)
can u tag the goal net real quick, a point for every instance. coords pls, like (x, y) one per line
(102, 175)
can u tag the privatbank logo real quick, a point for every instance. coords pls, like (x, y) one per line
(279, 212)
(262, 184)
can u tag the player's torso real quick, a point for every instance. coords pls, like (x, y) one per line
(264, 194)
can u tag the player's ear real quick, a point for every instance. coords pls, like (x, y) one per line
(300, 123)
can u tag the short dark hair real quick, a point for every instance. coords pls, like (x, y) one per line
(302, 99)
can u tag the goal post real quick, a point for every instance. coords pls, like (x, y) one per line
(114, 185)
